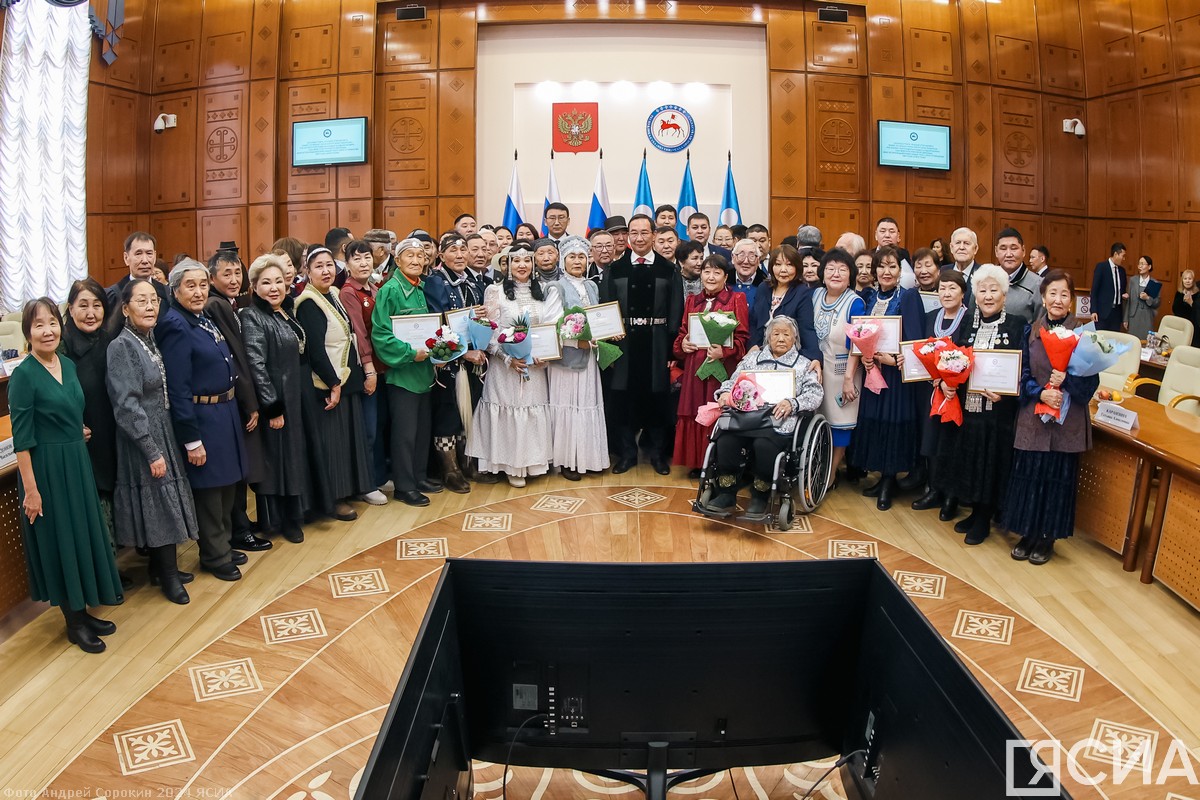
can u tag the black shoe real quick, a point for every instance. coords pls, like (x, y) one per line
(756, 509)
(429, 487)
(977, 536)
(915, 479)
(721, 504)
(886, 488)
(126, 581)
(293, 533)
(184, 577)
(570, 474)
(661, 466)
(486, 477)
(412, 498)
(931, 499)
(1021, 551)
(238, 558)
(874, 489)
(949, 510)
(1042, 552)
(964, 525)
(100, 627)
(694, 474)
(225, 572)
(624, 465)
(248, 541)
(80, 633)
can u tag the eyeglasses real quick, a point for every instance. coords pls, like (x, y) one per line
(144, 302)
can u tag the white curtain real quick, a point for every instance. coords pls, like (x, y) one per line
(43, 139)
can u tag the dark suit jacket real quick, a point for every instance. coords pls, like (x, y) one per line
(114, 296)
(713, 250)
(797, 304)
(668, 304)
(1109, 308)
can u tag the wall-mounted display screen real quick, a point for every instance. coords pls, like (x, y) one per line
(328, 142)
(913, 145)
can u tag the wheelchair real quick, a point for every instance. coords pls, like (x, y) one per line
(799, 480)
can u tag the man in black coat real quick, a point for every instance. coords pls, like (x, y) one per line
(141, 253)
(651, 298)
(1110, 290)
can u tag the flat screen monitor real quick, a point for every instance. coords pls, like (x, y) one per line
(913, 145)
(329, 142)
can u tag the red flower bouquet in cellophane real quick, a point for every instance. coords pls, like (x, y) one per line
(1060, 343)
(953, 367)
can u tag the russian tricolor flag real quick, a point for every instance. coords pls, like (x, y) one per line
(515, 202)
(598, 214)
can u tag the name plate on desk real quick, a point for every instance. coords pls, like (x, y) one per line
(8, 454)
(1114, 416)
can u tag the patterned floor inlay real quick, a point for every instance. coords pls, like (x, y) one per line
(288, 702)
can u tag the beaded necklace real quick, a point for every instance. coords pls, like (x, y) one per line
(827, 313)
(152, 351)
(941, 329)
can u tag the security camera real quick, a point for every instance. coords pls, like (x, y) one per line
(164, 121)
(1074, 126)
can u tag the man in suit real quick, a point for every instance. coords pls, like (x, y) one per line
(887, 234)
(382, 241)
(762, 237)
(1039, 259)
(1110, 290)
(620, 233)
(1024, 288)
(141, 251)
(664, 215)
(603, 254)
(666, 240)
(651, 298)
(698, 230)
(465, 224)
(746, 274)
(556, 219)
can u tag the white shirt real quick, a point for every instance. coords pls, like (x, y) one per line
(649, 258)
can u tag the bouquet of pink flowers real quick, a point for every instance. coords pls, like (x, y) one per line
(865, 335)
(574, 326)
(444, 346)
(953, 368)
(744, 395)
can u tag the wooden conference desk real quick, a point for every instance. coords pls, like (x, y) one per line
(1114, 494)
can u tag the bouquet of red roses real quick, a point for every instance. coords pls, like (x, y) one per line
(953, 367)
(1060, 343)
(444, 346)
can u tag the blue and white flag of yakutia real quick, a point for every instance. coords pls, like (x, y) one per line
(598, 214)
(514, 204)
(643, 198)
(687, 200)
(731, 212)
(551, 195)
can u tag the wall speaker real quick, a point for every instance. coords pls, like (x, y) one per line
(833, 14)
(411, 13)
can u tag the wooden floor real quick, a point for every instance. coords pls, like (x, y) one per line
(276, 685)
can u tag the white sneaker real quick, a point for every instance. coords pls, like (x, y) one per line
(388, 488)
(374, 497)
(516, 481)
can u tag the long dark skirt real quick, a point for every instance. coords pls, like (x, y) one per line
(338, 462)
(974, 460)
(888, 435)
(1040, 502)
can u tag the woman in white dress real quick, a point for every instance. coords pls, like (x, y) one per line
(511, 432)
(834, 303)
(580, 443)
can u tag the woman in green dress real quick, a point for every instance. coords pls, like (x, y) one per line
(67, 547)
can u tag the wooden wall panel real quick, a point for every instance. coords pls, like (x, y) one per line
(980, 139)
(624, 11)
(173, 154)
(1066, 161)
(356, 215)
(788, 135)
(448, 208)
(309, 33)
(1097, 180)
(225, 46)
(925, 223)
(260, 178)
(457, 34)
(980, 220)
(787, 215)
(355, 100)
(95, 162)
(837, 47)
(95, 244)
(223, 145)
(404, 135)
(403, 216)
(456, 132)
(119, 154)
(1189, 141)
(836, 217)
(1103, 232)
(176, 233)
(1018, 145)
(1029, 225)
(356, 51)
(262, 231)
(221, 225)
(837, 146)
(308, 222)
(113, 230)
(785, 39)
(1060, 38)
(885, 39)
(1067, 239)
(1013, 40)
(301, 100)
(1159, 158)
(977, 60)
(1160, 241)
(407, 45)
(888, 184)
(264, 44)
(1185, 40)
(1123, 139)
(177, 45)
(932, 50)
(938, 104)
(132, 69)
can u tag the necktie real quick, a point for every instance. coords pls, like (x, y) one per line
(641, 261)
(1116, 287)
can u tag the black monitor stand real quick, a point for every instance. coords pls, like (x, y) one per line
(657, 781)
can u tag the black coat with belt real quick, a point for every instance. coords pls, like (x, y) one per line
(224, 316)
(663, 301)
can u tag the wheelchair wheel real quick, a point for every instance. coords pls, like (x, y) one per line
(784, 519)
(817, 459)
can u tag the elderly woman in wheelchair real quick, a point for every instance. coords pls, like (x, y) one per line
(757, 438)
